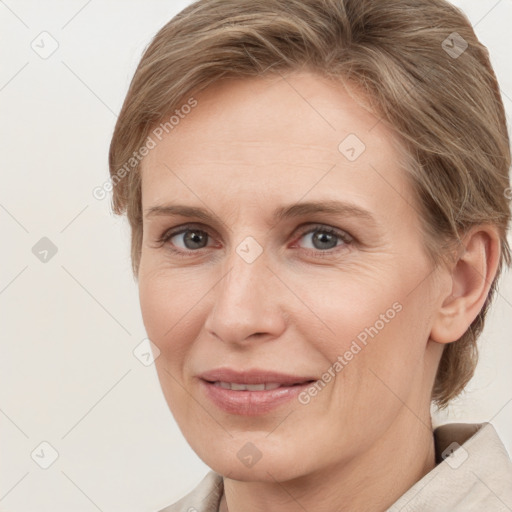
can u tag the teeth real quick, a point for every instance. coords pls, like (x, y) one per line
(247, 387)
(240, 387)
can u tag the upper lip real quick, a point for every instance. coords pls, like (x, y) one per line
(254, 376)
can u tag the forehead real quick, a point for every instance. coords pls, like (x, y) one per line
(289, 135)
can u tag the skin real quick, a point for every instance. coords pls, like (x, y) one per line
(250, 146)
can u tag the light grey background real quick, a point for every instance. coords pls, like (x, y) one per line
(69, 325)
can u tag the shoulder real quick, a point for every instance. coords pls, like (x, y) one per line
(204, 498)
(473, 472)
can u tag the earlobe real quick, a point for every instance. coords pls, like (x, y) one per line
(471, 278)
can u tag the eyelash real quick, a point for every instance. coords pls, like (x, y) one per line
(345, 237)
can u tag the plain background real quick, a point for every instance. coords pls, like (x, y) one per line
(69, 325)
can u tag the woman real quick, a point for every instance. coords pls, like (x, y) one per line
(318, 197)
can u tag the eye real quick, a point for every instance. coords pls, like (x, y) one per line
(185, 239)
(323, 238)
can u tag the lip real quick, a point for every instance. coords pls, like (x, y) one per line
(252, 403)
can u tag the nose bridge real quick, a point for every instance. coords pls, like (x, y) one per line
(245, 301)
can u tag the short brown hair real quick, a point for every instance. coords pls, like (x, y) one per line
(418, 61)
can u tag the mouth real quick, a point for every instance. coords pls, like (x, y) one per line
(251, 393)
(233, 386)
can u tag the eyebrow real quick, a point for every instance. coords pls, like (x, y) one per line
(331, 207)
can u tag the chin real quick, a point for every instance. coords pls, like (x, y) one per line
(241, 458)
(261, 472)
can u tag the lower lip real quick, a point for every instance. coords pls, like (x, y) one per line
(251, 403)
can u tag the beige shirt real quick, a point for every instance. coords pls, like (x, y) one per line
(473, 473)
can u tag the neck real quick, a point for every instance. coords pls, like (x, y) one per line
(373, 480)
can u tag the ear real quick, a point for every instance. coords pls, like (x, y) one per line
(471, 277)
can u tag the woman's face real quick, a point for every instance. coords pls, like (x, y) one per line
(301, 262)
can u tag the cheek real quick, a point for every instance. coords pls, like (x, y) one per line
(382, 364)
(164, 309)
(167, 325)
(371, 327)
(174, 305)
(353, 307)
(153, 297)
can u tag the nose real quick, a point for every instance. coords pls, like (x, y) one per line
(247, 303)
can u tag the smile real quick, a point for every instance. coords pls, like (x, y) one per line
(251, 393)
